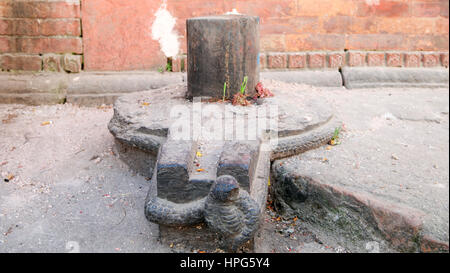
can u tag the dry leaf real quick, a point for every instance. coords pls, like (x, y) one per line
(145, 103)
(46, 123)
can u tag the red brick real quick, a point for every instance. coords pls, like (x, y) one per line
(266, 9)
(336, 60)
(272, 42)
(316, 60)
(426, 9)
(276, 60)
(117, 35)
(430, 59)
(444, 59)
(377, 42)
(394, 59)
(42, 27)
(290, 25)
(335, 24)
(375, 59)
(4, 44)
(412, 59)
(356, 58)
(444, 9)
(312, 42)
(262, 61)
(363, 25)
(39, 9)
(41, 45)
(20, 62)
(297, 60)
(385, 8)
(442, 25)
(403, 25)
(427, 42)
(328, 7)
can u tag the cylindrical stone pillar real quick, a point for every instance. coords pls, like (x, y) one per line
(221, 49)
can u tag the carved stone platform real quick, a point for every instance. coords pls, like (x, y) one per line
(183, 170)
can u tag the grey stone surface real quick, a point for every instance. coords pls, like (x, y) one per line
(373, 77)
(180, 189)
(222, 49)
(173, 169)
(388, 179)
(147, 126)
(60, 196)
(239, 159)
(87, 88)
(138, 160)
(327, 78)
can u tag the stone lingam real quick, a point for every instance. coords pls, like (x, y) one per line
(209, 160)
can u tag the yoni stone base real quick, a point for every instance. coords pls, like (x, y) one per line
(188, 186)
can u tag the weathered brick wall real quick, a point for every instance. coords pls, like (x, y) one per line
(40, 35)
(294, 33)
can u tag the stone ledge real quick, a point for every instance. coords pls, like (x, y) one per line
(325, 78)
(83, 88)
(374, 77)
(342, 212)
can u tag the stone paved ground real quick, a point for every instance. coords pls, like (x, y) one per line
(394, 147)
(69, 188)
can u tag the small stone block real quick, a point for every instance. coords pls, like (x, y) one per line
(356, 58)
(430, 59)
(394, 59)
(316, 60)
(277, 61)
(375, 59)
(52, 63)
(238, 160)
(297, 60)
(72, 63)
(412, 59)
(336, 60)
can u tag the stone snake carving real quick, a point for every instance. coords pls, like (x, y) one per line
(231, 212)
(227, 209)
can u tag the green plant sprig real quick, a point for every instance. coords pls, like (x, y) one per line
(244, 85)
(224, 90)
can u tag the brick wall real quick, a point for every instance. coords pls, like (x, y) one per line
(40, 35)
(294, 33)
